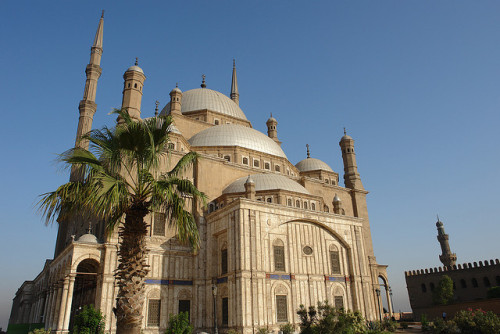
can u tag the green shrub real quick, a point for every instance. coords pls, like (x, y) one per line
(426, 326)
(494, 292)
(40, 331)
(179, 324)
(477, 322)
(233, 331)
(389, 325)
(328, 319)
(440, 326)
(89, 321)
(443, 293)
(287, 328)
(263, 330)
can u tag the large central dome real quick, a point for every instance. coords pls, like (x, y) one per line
(204, 98)
(237, 135)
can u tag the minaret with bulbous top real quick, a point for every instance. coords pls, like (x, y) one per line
(87, 106)
(352, 179)
(272, 130)
(175, 101)
(132, 91)
(235, 96)
(447, 257)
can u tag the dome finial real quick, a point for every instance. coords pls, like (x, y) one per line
(156, 108)
(176, 85)
(102, 14)
(203, 84)
(136, 61)
(345, 133)
(308, 155)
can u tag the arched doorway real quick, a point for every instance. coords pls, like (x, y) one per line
(84, 292)
(385, 299)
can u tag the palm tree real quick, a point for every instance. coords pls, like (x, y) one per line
(120, 183)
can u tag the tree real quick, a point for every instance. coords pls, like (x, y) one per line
(179, 324)
(121, 182)
(443, 293)
(89, 321)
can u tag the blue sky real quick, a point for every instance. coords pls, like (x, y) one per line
(416, 83)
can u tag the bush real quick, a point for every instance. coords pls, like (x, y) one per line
(263, 330)
(233, 331)
(327, 319)
(494, 292)
(426, 326)
(179, 324)
(389, 325)
(287, 328)
(89, 321)
(40, 331)
(443, 293)
(477, 322)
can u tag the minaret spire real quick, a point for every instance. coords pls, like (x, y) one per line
(447, 257)
(235, 96)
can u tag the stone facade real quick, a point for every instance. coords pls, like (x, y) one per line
(274, 235)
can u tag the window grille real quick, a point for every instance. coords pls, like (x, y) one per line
(281, 309)
(225, 311)
(154, 312)
(335, 261)
(223, 261)
(159, 224)
(279, 258)
(339, 302)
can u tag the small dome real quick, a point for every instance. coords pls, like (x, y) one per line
(204, 98)
(175, 90)
(266, 182)
(346, 137)
(249, 180)
(88, 238)
(272, 120)
(309, 164)
(237, 135)
(135, 68)
(336, 199)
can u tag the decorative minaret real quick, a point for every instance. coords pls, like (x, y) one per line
(250, 188)
(175, 101)
(132, 91)
(87, 106)
(337, 205)
(272, 131)
(447, 258)
(235, 96)
(352, 179)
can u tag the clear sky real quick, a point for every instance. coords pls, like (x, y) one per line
(416, 84)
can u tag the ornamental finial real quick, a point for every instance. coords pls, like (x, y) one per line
(102, 14)
(308, 154)
(156, 108)
(136, 61)
(203, 84)
(345, 133)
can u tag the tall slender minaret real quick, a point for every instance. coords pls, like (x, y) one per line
(235, 96)
(87, 105)
(352, 179)
(87, 108)
(447, 257)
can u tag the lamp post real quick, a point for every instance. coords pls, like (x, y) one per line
(214, 293)
(378, 303)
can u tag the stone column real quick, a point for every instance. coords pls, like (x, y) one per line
(57, 303)
(62, 305)
(48, 307)
(389, 301)
(69, 302)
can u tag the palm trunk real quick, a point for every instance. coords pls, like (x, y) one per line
(131, 272)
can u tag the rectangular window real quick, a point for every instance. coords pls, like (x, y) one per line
(159, 224)
(154, 307)
(335, 260)
(256, 163)
(279, 258)
(225, 311)
(185, 306)
(223, 261)
(281, 309)
(339, 302)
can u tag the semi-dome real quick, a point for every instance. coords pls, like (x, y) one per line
(309, 164)
(237, 135)
(266, 182)
(204, 98)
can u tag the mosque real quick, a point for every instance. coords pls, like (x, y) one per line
(274, 234)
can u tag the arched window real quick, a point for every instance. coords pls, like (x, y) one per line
(154, 307)
(305, 205)
(289, 202)
(135, 85)
(256, 163)
(424, 288)
(486, 282)
(297, 203)
(267, 165)
(279, 255)
(171, 146)
(276, 168)
(474, 283)
(463, 284)
(211, 207)
(245, 160)
(281, 308)
(227, 157)
(335, 260)
(313, 206)
(432, 286)
(326, 209)
(216, 122)
(269, 200)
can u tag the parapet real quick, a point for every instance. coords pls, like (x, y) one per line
(458, 267)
